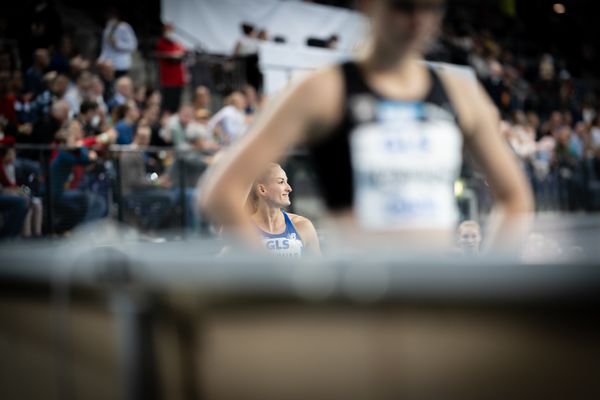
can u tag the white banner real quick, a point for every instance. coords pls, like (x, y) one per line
(215, 24)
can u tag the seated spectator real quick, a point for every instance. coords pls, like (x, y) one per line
(150, 199)
(97, 94)
(174, 132)
(199, 136)
(192, 164)
(90, 119)
(152, 117)
(154, 98)
(230, 122)
(45, 130)
(33, 82)
(72, 206)
(8, 97)
(570, 170)
(40, 106)
(126, 116)
(123, 93)
(32, 225)
(106, 72)
(580, 140)
(82, 90)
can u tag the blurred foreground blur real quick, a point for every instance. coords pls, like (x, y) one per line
(103, 314)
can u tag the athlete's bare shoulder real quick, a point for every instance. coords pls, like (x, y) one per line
(469, 99)
(307, 232)
(323, 93)
(298, 219)
(301, 223)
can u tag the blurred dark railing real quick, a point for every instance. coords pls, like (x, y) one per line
(160, 194)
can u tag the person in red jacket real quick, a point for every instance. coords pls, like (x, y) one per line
(171, 68)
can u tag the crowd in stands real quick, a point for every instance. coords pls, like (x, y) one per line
(112, 139)
(550, 118)
(81, 138)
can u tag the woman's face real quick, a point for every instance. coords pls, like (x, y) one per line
(276, 190)
(406, 26)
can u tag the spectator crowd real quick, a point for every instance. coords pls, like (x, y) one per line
(84, 139)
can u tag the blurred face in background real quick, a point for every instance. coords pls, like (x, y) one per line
(402, 27)
(154, 99)
(152, 114)
(84, 82)
(142, 135)
(201, 116)
(140, 94)
(202, 97)
(562, 135)
(97, 86)
(238, 100)
(60, 85)
(186, 114)
(60, 110)
(469, 237)
(133, 113)
(125, 87)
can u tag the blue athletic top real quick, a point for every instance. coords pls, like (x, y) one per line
(286, 244)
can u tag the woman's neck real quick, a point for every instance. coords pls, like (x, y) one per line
(382, 59)
(268, 217)
(396, 76)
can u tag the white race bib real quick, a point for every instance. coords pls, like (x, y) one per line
(404, 170)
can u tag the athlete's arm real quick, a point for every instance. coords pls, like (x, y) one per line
(308, 233)
(480, 120)
(278, 128)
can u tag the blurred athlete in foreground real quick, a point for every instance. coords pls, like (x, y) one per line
(283, 234)
(386, 133)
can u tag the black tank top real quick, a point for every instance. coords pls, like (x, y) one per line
(384, 150)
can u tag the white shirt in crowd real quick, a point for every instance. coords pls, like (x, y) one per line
(231, 121)
(74, 97)
(596, 137)
(247, 46)
(124, 44)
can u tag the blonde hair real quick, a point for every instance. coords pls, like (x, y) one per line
(230, 99)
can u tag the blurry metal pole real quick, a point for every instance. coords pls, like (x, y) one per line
(118, 190)
(136, 347)
(49, 212)
(182, 192)
(471, 197)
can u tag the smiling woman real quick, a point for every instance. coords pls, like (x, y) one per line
(282, 233)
